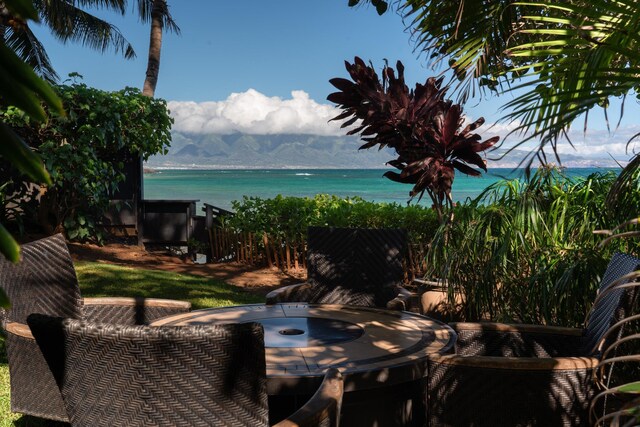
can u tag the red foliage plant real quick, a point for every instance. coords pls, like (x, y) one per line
(423, 127)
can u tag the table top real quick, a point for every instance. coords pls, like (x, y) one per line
(372, 346)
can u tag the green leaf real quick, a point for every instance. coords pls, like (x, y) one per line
(8, 245)
(17, 95)
(17, 152)
(631, 388)
(23, 75)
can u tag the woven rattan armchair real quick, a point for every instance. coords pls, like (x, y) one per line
(45, 281)
(213, 375)
(527, 375)
(351, 266)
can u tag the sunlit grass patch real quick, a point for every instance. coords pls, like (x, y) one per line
(106, 280)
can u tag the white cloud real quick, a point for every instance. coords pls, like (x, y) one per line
(596, 143)
(254, 113)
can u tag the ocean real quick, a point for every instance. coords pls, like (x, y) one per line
(221, 187)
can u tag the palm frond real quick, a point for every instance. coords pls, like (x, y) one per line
(145, 8)
(68, 22)
(115, 5)
(586, 54)
(28, 48)
(573, 55)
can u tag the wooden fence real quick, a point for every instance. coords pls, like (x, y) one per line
(265, 250)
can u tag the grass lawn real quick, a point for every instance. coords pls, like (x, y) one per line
(100, 280)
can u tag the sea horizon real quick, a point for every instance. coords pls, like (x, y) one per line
(220, 187)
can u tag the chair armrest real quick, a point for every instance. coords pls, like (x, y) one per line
(131, 311)
(402, 301)
(292, 293)
(19, 329)
(517, 363)
(324, 405)
(505, 340)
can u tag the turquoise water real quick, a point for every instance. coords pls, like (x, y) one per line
(221, 187)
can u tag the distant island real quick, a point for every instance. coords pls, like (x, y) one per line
(285, 151)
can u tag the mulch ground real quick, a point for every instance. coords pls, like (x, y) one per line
(252, 278)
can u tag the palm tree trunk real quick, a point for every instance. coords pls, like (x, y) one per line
(155, 44)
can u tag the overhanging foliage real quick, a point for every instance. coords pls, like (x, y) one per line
(84, 152)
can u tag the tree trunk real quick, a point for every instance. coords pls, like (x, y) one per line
(155, 44)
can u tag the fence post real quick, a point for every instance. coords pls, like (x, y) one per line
(265, 240)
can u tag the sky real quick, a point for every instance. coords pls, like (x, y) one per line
(263, 67)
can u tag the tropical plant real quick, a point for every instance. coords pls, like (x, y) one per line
(85, 152)
(423, 127)
(68, 21)
(568, 57)
(20, 86)
(525, 250)
(617, 403)
(157, 12)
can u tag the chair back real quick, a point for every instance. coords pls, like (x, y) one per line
(139, 375)
(356, 258)
(44, 281)
(612, 303)
(354, 265)
(329, 256)
(378, 256)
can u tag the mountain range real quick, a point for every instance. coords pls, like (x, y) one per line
(243, 151)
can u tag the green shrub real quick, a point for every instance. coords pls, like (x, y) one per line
(288, 217)
(84, 153)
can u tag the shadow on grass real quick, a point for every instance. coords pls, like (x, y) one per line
(29, 421)
(98, 280)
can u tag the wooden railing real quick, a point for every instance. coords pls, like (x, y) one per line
(266, 250)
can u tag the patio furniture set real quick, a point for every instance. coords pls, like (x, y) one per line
(341, 348)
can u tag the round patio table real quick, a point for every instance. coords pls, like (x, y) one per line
(382, 355)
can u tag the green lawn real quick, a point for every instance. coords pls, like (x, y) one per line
(97, 280)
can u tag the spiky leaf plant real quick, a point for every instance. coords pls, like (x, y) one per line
(617, 402)
(421, 125)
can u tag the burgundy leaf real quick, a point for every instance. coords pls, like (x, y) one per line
(349, 122)
(396, 177)
(420, 124)
(473, 126)
(466, 169)
(342, 84)
(343, 115)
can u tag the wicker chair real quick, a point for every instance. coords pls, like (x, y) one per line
(353, 267)
(112, 375)
(45, 282)
(527, 375)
